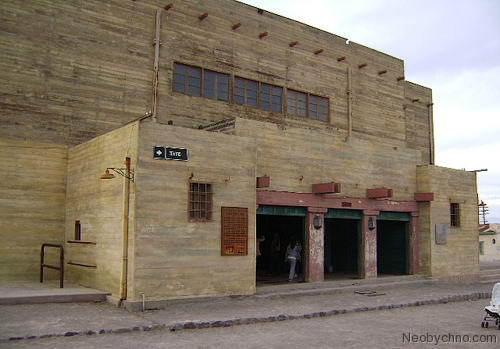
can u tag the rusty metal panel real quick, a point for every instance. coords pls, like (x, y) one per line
(234, 231)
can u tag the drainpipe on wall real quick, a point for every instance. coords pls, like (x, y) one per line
(349, 104)
(157, 43)
(431, 133)
(126, 204)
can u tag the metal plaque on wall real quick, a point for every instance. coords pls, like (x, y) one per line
(441, 233)
(234, 231)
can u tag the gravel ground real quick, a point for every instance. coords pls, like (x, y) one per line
(377, 329)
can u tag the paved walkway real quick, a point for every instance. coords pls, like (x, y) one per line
(22, 292)
(27, 321)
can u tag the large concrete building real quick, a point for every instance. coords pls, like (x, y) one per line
(280, 130)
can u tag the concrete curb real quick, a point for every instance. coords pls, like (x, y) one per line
(189, 325)
(338, 290)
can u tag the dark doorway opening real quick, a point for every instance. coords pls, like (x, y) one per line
(278, 232)
(392, 242)
(341, 248)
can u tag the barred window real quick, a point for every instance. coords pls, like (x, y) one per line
(245, 91)
(200, 202)
(271, 97)
(187, 79)
(296, 102)
(216, 85)
(454, 214)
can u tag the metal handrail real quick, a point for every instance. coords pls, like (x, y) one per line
(61, 262)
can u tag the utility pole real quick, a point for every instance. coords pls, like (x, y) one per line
(483, 211)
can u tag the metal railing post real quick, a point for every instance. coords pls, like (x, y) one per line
(61, 262)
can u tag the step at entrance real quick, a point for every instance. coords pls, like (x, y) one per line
(27, 292)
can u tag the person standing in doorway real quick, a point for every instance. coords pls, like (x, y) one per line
(258, 253)
(292, 256)
(276, 255)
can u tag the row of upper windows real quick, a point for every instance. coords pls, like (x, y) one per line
(195, 81)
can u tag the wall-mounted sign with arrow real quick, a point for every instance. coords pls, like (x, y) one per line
(170, 153)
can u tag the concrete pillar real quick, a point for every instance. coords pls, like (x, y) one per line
(314, 249)
(367, 263)
(413, 261)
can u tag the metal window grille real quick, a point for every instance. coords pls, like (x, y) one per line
(454, 214)
(200, 202)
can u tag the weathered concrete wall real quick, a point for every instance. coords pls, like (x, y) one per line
(458, 258)
(419, 120)
(32, 193)
(81, 69)
(176, 258)
(295, 158)
(378, 100)
(98, 205)
(75, 69)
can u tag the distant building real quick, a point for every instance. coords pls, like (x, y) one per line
(489, 246)
(236, 123)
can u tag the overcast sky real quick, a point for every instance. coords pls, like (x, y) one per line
(451, 46)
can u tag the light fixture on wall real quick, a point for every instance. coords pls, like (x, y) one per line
(371, 223)
(317, 222)
(124, 172)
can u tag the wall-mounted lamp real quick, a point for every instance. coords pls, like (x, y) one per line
(124, 172)
(371, 223)
(317, 222)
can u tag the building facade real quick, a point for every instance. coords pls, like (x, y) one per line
(223, 124)
(489, 250)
